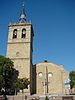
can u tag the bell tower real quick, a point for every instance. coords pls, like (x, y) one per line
(20, 46)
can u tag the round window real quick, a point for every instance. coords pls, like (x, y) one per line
(50, 74)
(40, 74)
(17, 54)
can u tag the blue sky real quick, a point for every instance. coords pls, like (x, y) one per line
(54, 28)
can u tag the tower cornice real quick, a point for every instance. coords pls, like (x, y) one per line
(20, 24)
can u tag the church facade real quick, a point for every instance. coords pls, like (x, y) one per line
(45, 77)
(50, 78)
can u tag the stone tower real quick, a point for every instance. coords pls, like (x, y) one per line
(20, 46)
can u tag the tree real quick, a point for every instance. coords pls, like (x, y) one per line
(2, 82)
(72, 78)
(22, 84)
(8, 74)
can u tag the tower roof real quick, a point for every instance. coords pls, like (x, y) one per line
(22, 18)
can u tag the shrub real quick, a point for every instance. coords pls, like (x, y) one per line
(46, 98)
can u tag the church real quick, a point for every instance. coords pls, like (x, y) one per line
(45, 77)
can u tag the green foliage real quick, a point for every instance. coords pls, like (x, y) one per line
(7, 73)
(2, 59)
(22, 83)
(7, 61)
(46, 98)
(9, 76)
(2, 81)
(72, 78)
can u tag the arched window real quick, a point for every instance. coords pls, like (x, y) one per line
(23, 33)
(15, 33)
